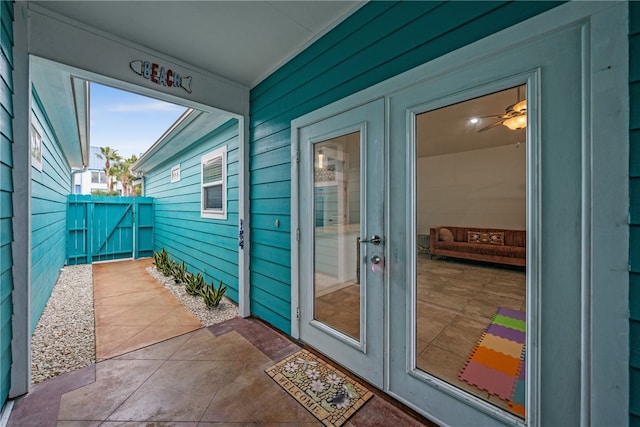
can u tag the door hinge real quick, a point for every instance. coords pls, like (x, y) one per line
(298, 156)
(297, 312)
(298, 234)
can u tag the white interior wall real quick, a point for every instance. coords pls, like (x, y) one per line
(480, 188)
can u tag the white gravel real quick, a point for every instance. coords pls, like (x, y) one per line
(64, 339)
(207, 316)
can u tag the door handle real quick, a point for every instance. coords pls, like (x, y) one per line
(375, 239)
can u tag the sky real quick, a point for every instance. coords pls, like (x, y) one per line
(128, 122)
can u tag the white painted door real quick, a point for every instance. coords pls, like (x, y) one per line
(426, 353)
(341, 200)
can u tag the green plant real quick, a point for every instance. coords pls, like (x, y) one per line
(180, 272)
(213, 296)
(162, 261)
(194, 284)
(167, 267)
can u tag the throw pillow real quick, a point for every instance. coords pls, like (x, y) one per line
(496, 238)
(474, 237)
(446, 235)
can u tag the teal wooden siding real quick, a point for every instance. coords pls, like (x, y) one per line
(6, 189)
(105, 228)
(206, 245)
(634, 203)
(379, 41)
(49, 190)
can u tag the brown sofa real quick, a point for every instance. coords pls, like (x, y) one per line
(480, 244)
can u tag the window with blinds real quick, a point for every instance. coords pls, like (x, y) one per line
(214, 172)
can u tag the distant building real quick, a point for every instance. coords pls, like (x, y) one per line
(94, 178)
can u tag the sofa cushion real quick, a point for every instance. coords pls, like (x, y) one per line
(445, 235)
(484, 249)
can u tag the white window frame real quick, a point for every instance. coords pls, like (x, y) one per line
(175, 173)
(214, 213)
(36, 137)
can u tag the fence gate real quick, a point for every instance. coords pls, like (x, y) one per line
(102, 228)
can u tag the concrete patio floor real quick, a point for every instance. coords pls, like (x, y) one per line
(205, 377)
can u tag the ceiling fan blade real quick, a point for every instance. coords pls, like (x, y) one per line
(490, 116)
(492, 125)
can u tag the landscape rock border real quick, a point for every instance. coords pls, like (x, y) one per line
(64, 338)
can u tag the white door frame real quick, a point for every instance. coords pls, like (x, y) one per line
(604, 393)
(50, 37)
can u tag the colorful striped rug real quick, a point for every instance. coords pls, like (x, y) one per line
(497, 363)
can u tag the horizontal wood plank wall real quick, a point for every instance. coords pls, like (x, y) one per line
(6, 190)
(206, 245)
(634, 202)
(379, 41)
(49, 190)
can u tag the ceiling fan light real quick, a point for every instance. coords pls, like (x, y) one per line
(517, 122)
(520, 106)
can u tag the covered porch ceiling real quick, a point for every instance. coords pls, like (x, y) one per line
(243, 41)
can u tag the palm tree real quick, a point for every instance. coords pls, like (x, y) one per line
(124, 175)
(109, 155)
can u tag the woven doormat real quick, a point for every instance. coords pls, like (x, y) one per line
(497, 363)
(330, 395)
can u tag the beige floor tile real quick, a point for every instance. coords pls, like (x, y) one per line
(178, 391)
(110, 337)
(115, 381)
(460, 336)
(159, 351)
(268, 402)
(149, 335)
(124, 315)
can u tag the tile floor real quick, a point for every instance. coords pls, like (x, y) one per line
(206, 377)
(456, 301)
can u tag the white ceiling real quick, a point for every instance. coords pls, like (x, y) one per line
(243, 41)
(448, 130)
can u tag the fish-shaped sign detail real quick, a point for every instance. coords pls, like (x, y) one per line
(160, 75)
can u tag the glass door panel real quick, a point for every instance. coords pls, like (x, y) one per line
(341, 273)
(336, 186)
(471, 225)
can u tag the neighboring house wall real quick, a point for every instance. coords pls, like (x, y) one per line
(634, 232)
(49, 189)
(86, 184)
(6, 189)
(206, 245)
(379, 41)
(85, 181)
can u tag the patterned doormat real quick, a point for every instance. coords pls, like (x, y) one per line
(330, 395)
(497, 363)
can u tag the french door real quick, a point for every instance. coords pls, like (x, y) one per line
(342, 265)
(369, 196)
(445, 355)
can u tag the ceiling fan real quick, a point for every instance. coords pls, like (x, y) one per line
(515, 116)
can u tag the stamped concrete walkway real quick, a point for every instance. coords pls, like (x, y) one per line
(206, 377)
(133, 310)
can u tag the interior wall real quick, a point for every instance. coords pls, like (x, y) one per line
(480, 188)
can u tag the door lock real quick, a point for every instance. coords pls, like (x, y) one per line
(376, 259)
(375, 239)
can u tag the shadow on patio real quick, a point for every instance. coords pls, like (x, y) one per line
(167, 370)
